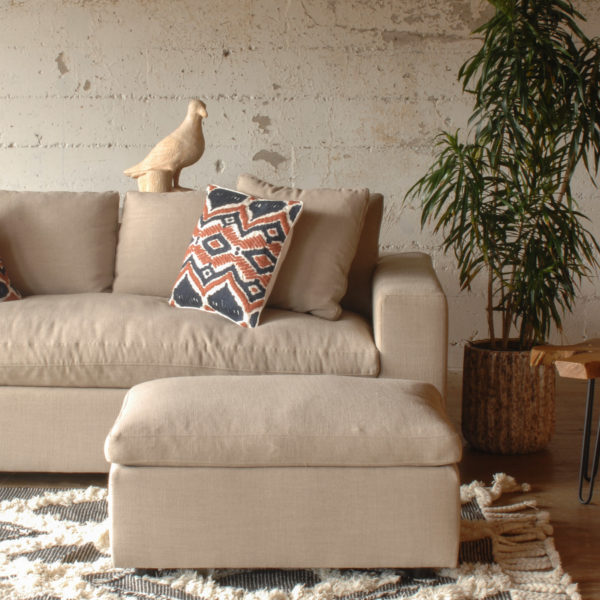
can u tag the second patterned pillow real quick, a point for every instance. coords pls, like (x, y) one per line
(7, 291)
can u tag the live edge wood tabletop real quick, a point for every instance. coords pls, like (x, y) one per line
(578, 361)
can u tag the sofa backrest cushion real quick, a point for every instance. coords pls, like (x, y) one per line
(59, 242)
(358, 298)
(155, 233)
(314, 275)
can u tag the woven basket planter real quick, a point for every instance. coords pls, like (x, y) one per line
(507, 406)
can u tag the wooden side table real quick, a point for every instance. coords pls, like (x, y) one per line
(579, 361)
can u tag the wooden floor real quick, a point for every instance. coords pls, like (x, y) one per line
(553, 474)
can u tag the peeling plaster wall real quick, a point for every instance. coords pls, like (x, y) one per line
(302, 92)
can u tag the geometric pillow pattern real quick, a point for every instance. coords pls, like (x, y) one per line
(232, 261)
(7, 291)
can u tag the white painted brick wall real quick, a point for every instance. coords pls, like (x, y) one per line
(330, 92)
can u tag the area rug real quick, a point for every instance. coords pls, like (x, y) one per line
(54, 545)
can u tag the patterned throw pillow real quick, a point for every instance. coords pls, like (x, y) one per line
(237, 246)
(7, 291)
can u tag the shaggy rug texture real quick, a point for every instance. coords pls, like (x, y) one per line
(54, 545)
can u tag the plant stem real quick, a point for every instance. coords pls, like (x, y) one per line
(507, 316)
(566, 179)
(490, 306)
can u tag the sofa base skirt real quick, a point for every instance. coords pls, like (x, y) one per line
(55, 429)
(295, 517)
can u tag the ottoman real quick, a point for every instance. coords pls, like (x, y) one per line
(283, 471)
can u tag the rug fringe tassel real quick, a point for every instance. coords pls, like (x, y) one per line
(521, 540)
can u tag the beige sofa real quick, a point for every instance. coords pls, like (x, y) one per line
(89, 326)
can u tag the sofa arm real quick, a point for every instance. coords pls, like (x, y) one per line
(410, 319)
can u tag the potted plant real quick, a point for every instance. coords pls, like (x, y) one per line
(502, 199)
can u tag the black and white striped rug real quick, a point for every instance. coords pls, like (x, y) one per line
(54, 545)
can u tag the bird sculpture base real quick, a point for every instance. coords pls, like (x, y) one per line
(155, 181)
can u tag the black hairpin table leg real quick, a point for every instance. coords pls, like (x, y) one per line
(578, 361)
(585, 474)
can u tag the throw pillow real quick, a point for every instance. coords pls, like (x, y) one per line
(155, 232)
(7, 291)
(232, 260)
(314, 277)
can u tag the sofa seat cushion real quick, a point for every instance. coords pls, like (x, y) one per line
(286, 421)
(119, 340)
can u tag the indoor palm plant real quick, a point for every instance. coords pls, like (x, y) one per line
(502, 199)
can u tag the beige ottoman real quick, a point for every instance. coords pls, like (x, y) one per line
(287, 471)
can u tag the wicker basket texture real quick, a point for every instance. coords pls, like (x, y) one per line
(508, 406)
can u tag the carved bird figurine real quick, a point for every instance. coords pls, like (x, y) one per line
(161, 168)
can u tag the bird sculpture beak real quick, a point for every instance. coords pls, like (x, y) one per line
(203, 113)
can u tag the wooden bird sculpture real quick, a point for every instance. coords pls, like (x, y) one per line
(160, 170)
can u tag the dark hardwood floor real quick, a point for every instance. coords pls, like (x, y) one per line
(553, 474)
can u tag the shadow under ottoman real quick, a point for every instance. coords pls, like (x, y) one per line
(289, 471)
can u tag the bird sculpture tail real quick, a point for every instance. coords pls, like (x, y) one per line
(135, 171)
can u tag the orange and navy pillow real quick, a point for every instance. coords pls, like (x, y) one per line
(7, 291)
(231, 263)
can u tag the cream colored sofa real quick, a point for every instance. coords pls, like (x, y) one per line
(74, 345)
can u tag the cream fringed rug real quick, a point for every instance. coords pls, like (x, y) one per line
(54, 545)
